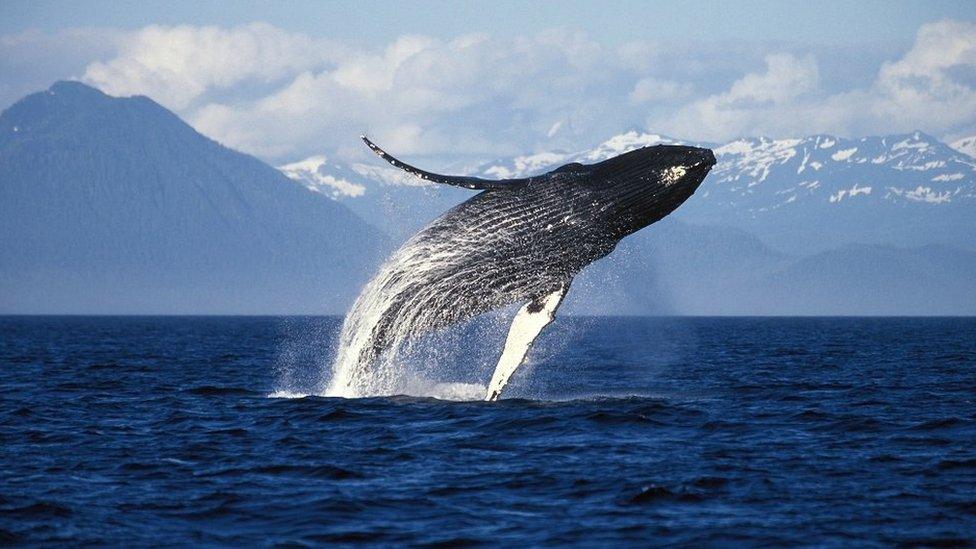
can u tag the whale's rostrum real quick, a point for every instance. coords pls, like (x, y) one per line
(517, 241)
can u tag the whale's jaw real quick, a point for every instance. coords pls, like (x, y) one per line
(643, 186)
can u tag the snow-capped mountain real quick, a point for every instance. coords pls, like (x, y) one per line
(812, 192)
(338, 181)
(522, 166)
(912, 168)
(314, 174)
(386, 197)
(760, 174)
(700, 263)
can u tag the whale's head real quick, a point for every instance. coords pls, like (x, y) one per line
(642, 186)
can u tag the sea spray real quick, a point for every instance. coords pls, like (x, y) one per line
(386, 339)
(305, 347)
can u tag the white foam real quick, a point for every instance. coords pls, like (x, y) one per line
(391, 305)
(288, 394)
(455, 391)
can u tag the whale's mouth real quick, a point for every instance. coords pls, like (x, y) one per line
(701, 169)
(693, 173)
(709, 158)
(696, 167)
(696, 157)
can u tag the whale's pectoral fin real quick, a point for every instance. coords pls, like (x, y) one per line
(528, 323)
(475, 183)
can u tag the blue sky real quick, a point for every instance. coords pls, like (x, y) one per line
(892, 21)
(290, 79)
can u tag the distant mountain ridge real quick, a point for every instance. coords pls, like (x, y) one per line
(815, 225)
(896, 161)
(912, 167)
(115, 205)
(677, 268)
(872, 190)
(388, 198)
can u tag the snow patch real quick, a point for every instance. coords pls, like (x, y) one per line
(803, 164)
(850, 193)
(923, 194)
(537, 161)
(754, 157)
(966, 146)
(625, 142)
(912, 143)
(742, 146)
(309, 172)
(840, 156)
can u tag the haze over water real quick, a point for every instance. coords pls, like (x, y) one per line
(648, 430)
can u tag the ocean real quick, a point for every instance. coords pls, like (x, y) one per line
(637, 431)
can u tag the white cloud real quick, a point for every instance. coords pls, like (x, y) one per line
(651, 89)
(786, 78)
(176, 65)
(285, 95)
(474, 94)
(931, 87)
(928, 87)
(753, 104)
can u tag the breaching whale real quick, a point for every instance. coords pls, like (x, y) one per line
(517, 241)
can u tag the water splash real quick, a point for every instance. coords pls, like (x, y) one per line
(415, 293)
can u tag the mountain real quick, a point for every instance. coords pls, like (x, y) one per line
(806, 194)
(819, 192)
(874, 280)
(388, 198)
(677, 268)
(761, 174)
(115, 205)
(813, 225)
(814, 193)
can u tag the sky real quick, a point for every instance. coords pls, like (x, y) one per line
(287, 80)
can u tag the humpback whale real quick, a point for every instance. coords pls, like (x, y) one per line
(518, 241)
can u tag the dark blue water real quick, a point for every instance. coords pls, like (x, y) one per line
(744, 431)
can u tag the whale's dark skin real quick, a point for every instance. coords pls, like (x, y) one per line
(520, 240)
